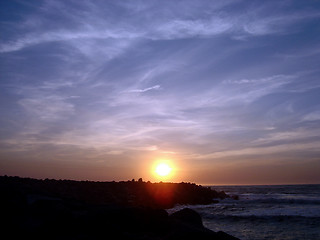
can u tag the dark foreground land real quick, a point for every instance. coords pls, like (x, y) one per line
(64, 209)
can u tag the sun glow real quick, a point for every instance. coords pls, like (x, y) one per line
(163, 169)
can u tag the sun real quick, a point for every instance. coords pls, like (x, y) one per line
(163, 169)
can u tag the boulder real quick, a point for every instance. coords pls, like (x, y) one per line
(187, 224)
(188, 216)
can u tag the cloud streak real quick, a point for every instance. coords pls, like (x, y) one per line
(155, 87)
(47, 108)
(167, 27)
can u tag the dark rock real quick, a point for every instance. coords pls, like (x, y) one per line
(187, 224)
(222, 195)
(51, 209)
(188, 216)
(224, 236)
(235, 197)
(130, 193)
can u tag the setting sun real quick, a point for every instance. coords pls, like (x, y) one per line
(163, 169)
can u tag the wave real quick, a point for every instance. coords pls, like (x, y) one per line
(276, 190)
(262, 208)
(277, 218)
(281, 201)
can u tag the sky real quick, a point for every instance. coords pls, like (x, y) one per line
(226, 91)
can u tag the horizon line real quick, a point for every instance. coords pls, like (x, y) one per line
(200, 184)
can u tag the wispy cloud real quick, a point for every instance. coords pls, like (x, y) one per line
(155, 87)
(293, 136)
(235, 92)
(276, 78)
(260, 151)
(49, 108)
(90, 23)
(191, 28)
(313, 116)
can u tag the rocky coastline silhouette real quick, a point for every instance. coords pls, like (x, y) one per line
(66, 209)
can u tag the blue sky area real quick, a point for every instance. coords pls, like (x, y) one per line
(229, 91)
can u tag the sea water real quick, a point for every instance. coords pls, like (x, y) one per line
(286, 212)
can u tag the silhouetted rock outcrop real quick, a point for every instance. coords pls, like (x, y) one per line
(50, 209)
(130, 193)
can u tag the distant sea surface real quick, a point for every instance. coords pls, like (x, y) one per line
(277, 212)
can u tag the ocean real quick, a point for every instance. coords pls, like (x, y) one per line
(277, 212)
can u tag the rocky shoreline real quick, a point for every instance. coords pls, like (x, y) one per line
(64, 209)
